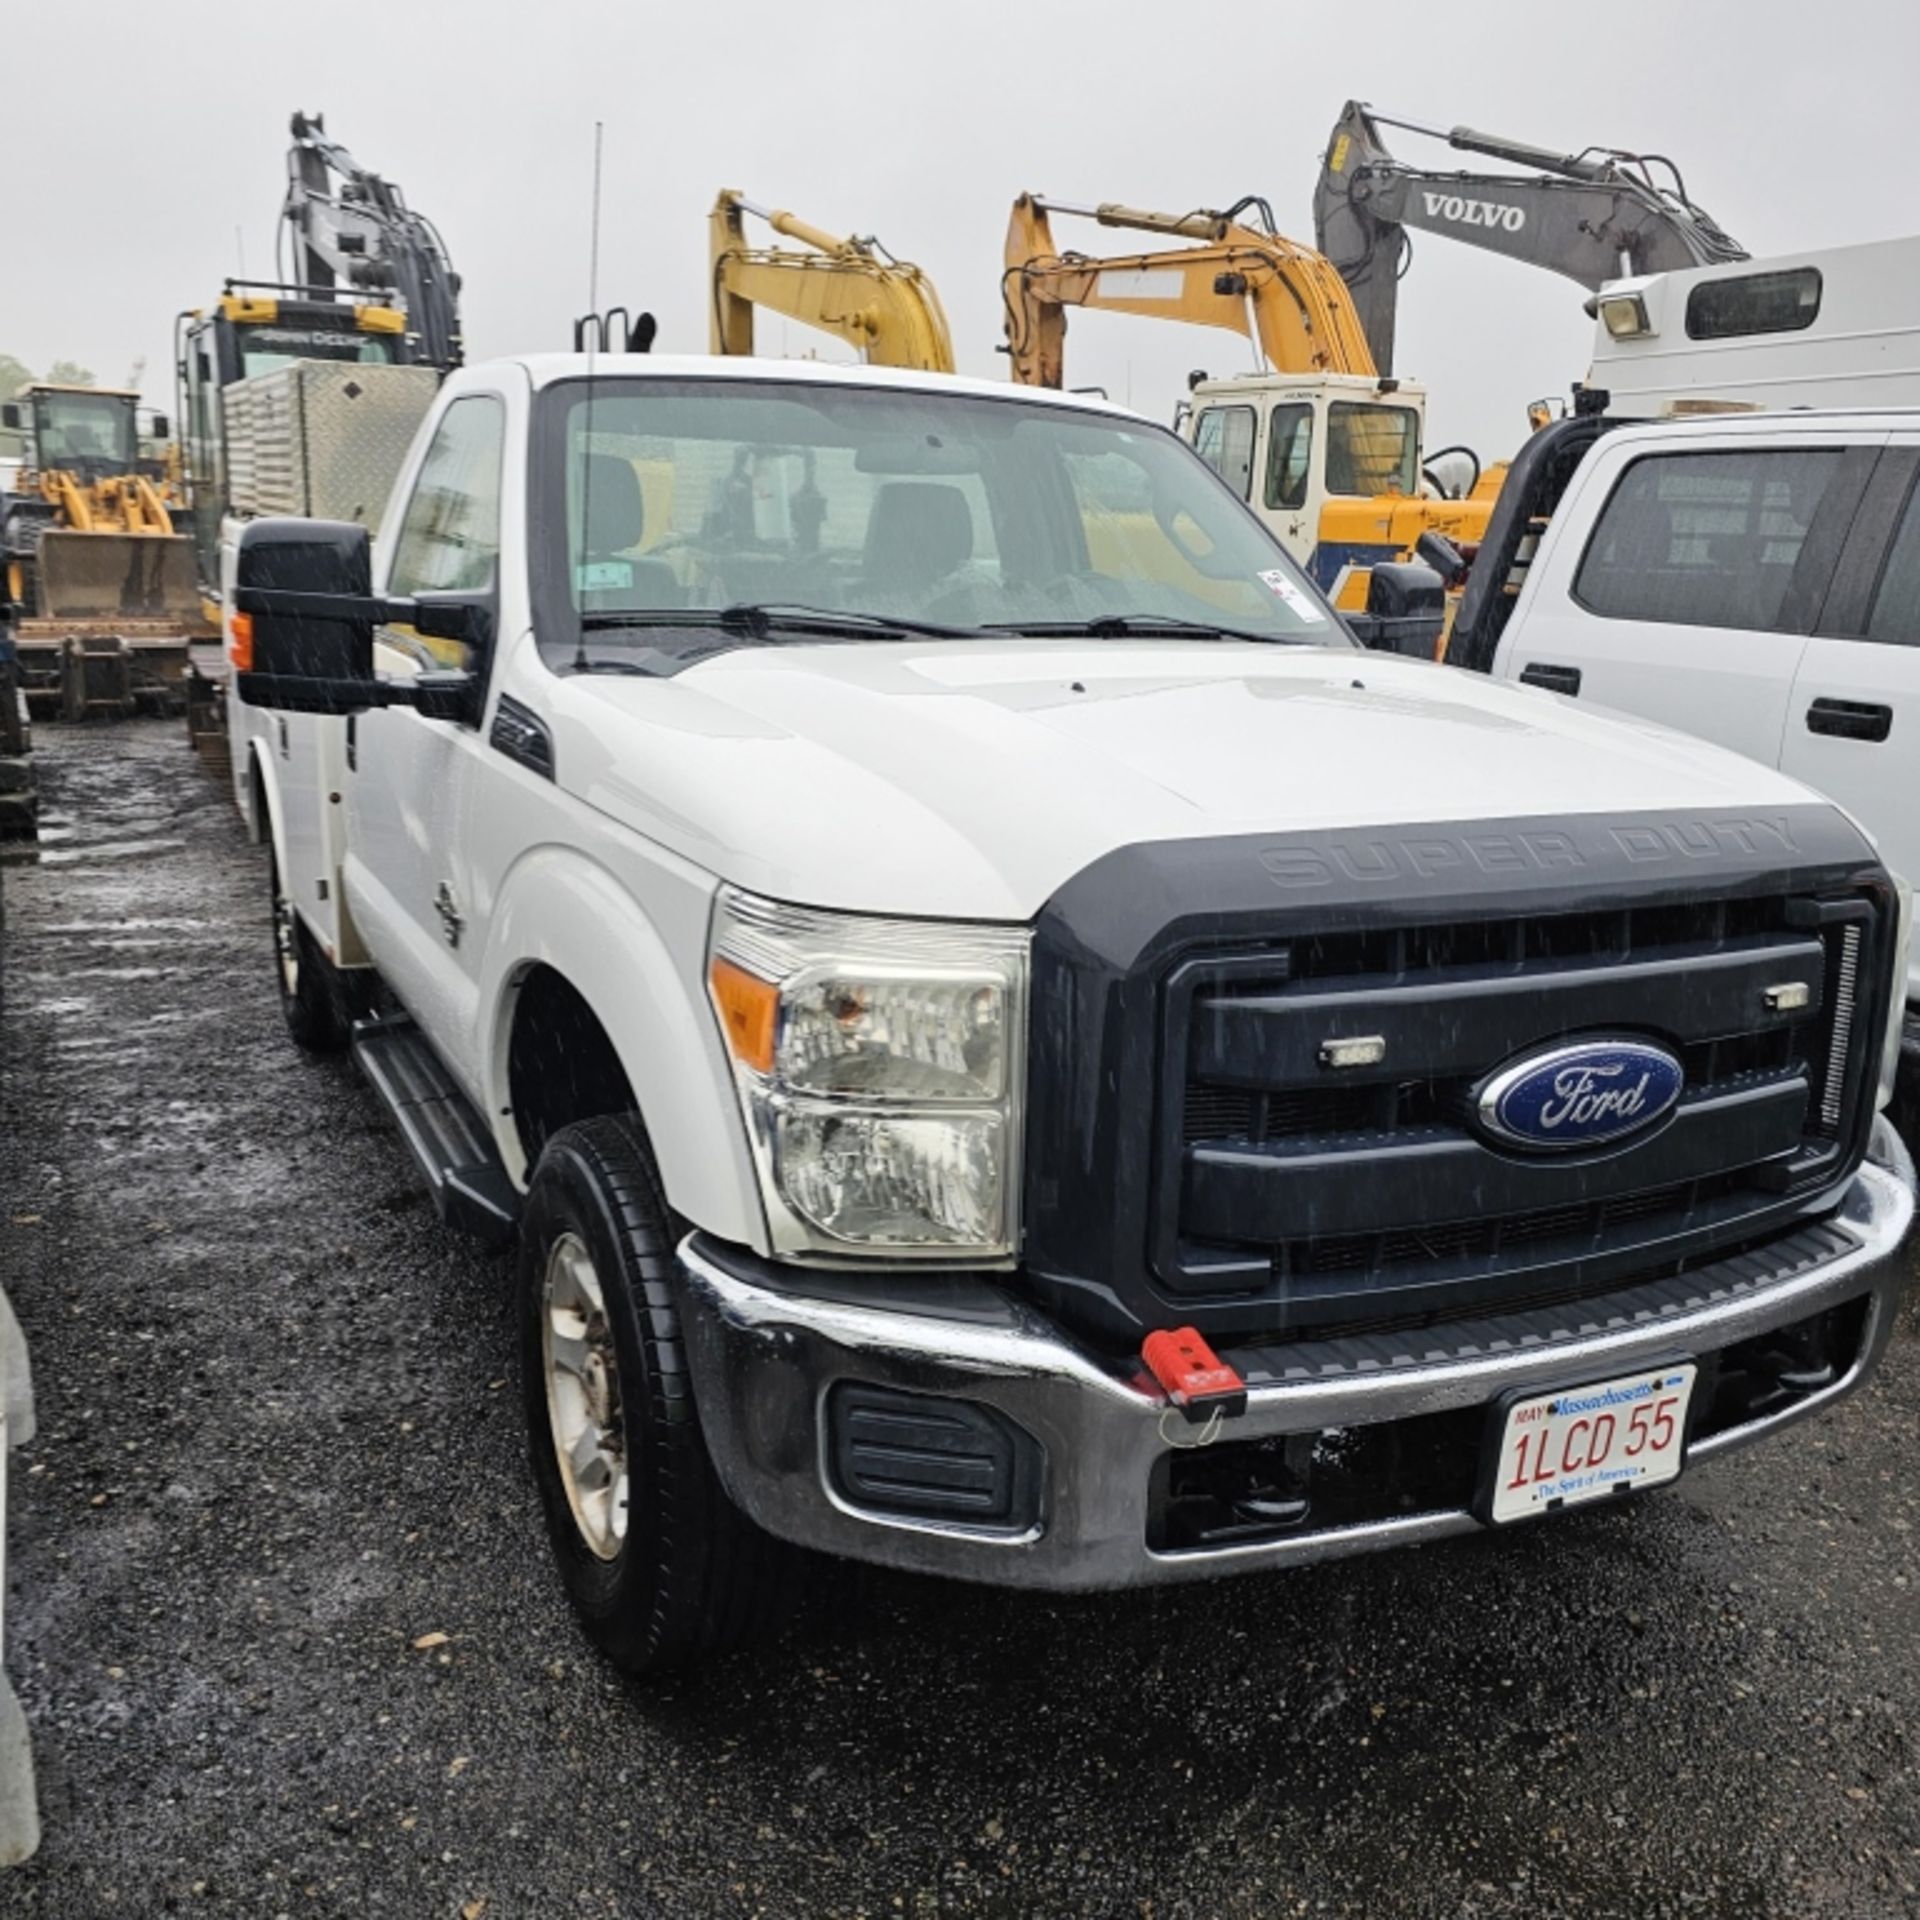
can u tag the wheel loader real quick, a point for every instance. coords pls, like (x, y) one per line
(100, 592)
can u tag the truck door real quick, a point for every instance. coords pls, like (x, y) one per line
(1689, 596)
(1853, 728)
(407, 867)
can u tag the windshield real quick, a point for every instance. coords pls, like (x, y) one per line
(85, 430)
(264, 348)
(881, 504)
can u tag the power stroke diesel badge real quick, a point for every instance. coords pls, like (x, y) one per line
(1581, 1095)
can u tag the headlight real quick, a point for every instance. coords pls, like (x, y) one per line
(1897, 1007)
(880, 1067)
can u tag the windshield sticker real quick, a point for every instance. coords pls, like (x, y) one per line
(1278, 582)
(602, 576)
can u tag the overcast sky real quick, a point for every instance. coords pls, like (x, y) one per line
(137, 184)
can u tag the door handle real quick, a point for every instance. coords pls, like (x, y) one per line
(1850, 719)
(1536, 673)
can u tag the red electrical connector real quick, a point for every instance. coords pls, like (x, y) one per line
(1192, 1375)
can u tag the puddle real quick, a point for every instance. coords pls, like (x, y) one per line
(111, 850)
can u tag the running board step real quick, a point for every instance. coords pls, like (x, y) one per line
(445, 1135)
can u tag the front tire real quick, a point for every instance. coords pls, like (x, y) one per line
(662, 1568)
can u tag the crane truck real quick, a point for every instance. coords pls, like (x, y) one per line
(1329, 452)
(1597, 215)
(1017, 1055)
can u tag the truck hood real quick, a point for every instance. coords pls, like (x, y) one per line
(970, 779)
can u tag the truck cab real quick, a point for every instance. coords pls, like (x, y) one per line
(1006, 1045)
(1753, 580)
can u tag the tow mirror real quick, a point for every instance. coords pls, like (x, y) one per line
(304, 615)
(1406, 610)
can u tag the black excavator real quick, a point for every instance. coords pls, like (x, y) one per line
(369, 281)
(1597, 215)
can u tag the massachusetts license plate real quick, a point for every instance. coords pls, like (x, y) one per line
(1587, 1443)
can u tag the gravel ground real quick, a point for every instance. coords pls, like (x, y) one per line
(280, 1455)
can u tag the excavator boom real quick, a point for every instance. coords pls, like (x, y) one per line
(850, 288)
(363, 235)
(1252, 280)
(1593, 216)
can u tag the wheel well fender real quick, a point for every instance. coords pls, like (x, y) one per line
(562, 916)
(266, 816)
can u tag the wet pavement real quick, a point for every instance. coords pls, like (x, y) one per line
(280, 1456)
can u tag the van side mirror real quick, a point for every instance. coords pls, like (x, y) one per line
(1406, 610)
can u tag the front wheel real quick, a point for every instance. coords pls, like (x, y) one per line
(662, 1568)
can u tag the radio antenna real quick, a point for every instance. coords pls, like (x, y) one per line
(586, 444)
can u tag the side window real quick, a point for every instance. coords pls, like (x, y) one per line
(449, 541)
(1704, 539)
(1289, 454)
(1896, 601)
(1223, 438)
(1780, 302)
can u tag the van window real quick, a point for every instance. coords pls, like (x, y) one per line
(1896, 603)
(1289, 454)
(1223, 438)
(1783, 302)
(1704, 539)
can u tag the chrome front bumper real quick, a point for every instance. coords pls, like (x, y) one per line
(765, 1357)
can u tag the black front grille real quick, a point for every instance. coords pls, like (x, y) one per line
(1346, 1196)
(1189, 1160)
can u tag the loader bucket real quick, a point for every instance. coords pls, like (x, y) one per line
(109, 576)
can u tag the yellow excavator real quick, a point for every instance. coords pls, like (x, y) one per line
(99, 584)
(1328, 452)
(854, 289)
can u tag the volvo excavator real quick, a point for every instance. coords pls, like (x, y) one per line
(853, 289)
(1329, 452)
(1597, 215)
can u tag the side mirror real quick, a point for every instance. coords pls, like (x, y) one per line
(1406, 610)
(304, 617)
(162, 427)
(10, 418)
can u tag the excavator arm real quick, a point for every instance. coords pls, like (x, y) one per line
(1593, 216)
(852, 289)
(364, 235)
(1284, 297)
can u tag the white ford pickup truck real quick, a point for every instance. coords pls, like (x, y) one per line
(1009, 1045)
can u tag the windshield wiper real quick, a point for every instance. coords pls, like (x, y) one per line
(1137, 626)
(765, 622)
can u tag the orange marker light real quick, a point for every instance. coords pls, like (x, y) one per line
(749, 1008)
(240, 644)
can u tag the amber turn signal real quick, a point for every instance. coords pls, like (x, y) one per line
(240, 642)
(749, 1008)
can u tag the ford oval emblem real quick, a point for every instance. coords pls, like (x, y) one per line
(1581, 1095)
